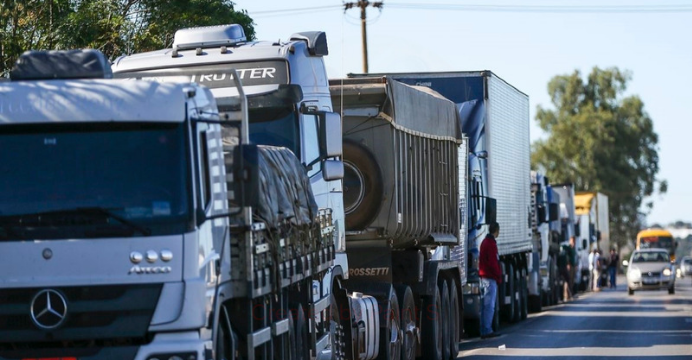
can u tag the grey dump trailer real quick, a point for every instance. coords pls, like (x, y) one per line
(405, 197)
(495, 119)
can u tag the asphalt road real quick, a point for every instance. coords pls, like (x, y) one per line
(604, 325)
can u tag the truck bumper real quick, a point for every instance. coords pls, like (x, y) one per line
(187, 346)
(182, 345)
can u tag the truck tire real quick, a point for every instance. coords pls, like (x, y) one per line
(363, 186)
(338, 344)
(516, 296)
(524, 297)
(224, 341)
(472, 328)
(390, 328)
(409, 340)
(446, 318)
(431, 327)
(455, 328)
(535, 303)
(302, 349)
(508, 309)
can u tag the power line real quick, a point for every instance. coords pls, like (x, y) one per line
(547, 8)
(288, 11)
(661, 8)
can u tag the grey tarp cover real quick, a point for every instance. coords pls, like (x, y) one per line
(434, 115)
(69, 64)
(285, 192)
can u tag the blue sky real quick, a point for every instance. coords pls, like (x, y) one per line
(527, 50)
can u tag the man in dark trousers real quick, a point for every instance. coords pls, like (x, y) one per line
(613, 267)
(491, 277)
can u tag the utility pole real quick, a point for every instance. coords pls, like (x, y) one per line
(362, 4)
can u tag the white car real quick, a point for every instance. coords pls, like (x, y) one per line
(650, 269)
(686, 266)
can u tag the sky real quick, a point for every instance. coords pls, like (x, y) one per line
(524, 48)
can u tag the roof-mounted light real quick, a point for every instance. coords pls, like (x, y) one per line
(61, 64)
(208, 36)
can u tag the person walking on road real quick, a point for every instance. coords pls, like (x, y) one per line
(591, 278)
(563, 268)
(572, 265)
(613, 267)
(491, 276)
(596, 270)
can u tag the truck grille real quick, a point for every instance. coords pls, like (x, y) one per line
(93, 313)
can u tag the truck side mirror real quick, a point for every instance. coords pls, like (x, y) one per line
(332, 170)
(330, 135)
(490, 210)
(553, 212)
(540, 212)
(625, 263)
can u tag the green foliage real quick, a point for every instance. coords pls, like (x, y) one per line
(601, 141)
(115, 27)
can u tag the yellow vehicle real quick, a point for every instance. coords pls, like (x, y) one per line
(657, 239)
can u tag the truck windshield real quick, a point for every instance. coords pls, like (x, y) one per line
(656, 242)
(276, 126)
(641, 257)
(92, 180)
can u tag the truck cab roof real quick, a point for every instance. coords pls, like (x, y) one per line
(76, 85)
(49, 101)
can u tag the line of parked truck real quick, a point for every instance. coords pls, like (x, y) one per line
(230, 201)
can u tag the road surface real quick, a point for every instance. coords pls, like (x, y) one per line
(604, 325)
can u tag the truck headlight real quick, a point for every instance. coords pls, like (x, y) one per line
(666, 272)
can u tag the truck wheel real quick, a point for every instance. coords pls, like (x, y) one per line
(455, 328)
(431, 326)
(516, 295)
(446, 317)
(289, 341)
(302, 350)
(224, 343)
(337, 337)
(409, 340)
(524, 297)
(363, 186)
(472, 328)
(535, 303)
(390, 328)
(508, 309)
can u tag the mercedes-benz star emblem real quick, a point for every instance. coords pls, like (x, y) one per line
(48, 309)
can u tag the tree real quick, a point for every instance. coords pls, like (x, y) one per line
(600, 140)
(115, 27)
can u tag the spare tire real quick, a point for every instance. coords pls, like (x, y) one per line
(363, 188)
